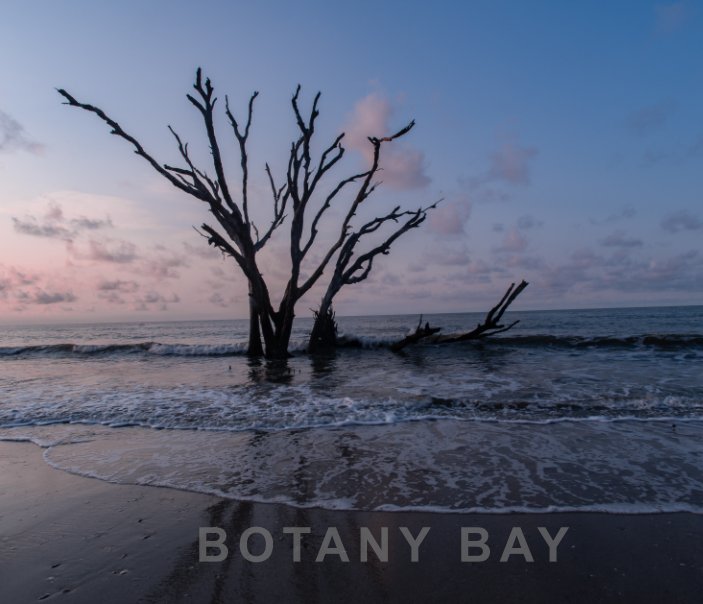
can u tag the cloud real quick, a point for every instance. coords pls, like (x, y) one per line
(231, 276)
(31, 226)
(119, 286)
(481, 267)
(14, 284)
(514, 241)
(523, 262)
(450, 218)
(218, 300)
(402, 167)
(681, 221)
(54, 225)
(164, 266)
(527, 222)
(153, 300)
(42, 297)
(204, 251)
(586, 271)
(110, 290)
(110, 251)
(83, 223)
(111, 297)
(488, 194)
(21, 288)
(390, 279)
(649, 119)
(448, 256)
(16, 277)
(510, 164)
(54, 212)
(422, 280)
(14, 138)
(625, 213)
(674, 156)
(619, 239)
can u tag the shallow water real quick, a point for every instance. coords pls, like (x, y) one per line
(570, 410)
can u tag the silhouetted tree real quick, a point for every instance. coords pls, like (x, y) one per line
(239, 238)
(351, 267)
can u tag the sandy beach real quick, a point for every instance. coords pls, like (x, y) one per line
(74, 539)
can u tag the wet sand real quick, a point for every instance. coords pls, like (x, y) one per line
(66, 538)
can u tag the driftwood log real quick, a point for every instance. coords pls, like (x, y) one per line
(491, 325)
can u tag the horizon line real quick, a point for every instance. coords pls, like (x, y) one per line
(470, 312)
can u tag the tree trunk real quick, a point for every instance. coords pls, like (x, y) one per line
(324, 330)
(255, 349)
(277, 345)
(284, 328)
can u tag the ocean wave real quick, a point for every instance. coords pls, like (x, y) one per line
(660, 341)
(669, 341)
(646, 340)
(299, 408)
(155, 348)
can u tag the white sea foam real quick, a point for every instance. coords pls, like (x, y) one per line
(301, 406)
(623, 467)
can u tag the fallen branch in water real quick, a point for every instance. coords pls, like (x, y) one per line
(490, 326)
(420, 333)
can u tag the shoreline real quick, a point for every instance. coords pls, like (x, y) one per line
(79, 539)
(438, 466)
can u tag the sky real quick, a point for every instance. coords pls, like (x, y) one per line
(565, 141)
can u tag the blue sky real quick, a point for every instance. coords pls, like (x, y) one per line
(566, 141)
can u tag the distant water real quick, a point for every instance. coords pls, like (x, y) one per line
(597, 409)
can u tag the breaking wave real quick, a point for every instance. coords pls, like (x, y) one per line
(156, 348)
(660, 341)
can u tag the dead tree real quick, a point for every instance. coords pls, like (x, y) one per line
(324, 332)
(350, 269)
(490, 326)
(239, 237)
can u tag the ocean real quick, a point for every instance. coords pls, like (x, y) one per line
(598, 410)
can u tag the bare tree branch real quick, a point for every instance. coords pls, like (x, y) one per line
(242, 140)
(489, 327)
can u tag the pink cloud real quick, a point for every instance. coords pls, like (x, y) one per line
(22, 289)
(112, 251)
(204, 251)
(450, 218)
(402, 166)
(164, 266)
(40, 296)
(514, 241)
(153, 300)
(54, 225)
(511, 163)
(118, 285)
(12, 279)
